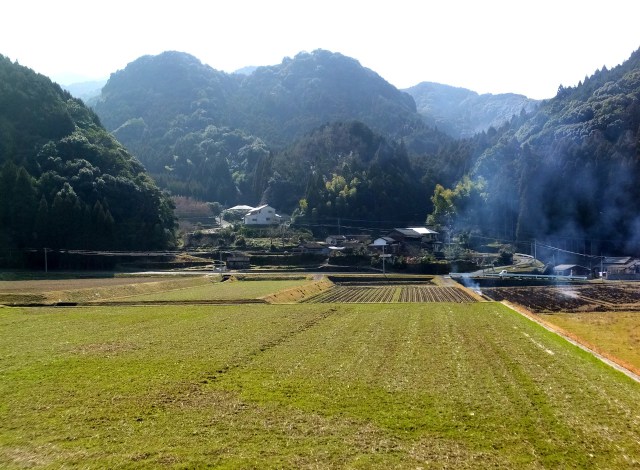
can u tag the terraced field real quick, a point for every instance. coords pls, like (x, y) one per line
(389, 294)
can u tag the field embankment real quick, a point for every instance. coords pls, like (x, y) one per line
(50, 291)
(134, 290)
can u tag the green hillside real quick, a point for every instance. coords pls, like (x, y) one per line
(65, 182)
(567, 173)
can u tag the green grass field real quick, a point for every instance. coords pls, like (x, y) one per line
(230, 290)
(306, 386)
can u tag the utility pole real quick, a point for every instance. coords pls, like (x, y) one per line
(383, 260)
(46, 267)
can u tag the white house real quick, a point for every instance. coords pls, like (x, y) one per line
(262, 215)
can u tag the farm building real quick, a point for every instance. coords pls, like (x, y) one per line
(312, 247)
(238, 261)
(262, 215)
(571, 270)
(622, 268)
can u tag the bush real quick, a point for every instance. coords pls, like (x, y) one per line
(505, 257)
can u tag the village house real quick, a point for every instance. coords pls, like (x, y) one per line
(413, 239)
(621, 268)
(262, 215)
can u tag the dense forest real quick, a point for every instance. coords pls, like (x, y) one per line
(567, 174)
(65, 182)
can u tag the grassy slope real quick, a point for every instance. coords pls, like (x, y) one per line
(613, 333)
(312, 386)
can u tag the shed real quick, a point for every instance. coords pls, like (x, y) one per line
(238, 261)
(571, 270)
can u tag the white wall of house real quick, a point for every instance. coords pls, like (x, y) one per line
(263, 215)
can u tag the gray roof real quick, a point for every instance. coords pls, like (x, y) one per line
(616, 259)
(564, 267)
(408, 232)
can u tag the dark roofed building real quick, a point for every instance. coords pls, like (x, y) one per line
(571, 270)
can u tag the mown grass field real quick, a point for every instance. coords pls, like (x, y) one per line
(229, 290)
(136, 289)
(306, 386)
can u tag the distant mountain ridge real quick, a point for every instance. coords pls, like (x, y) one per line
(88, 91)
(199, 130)
(278, 103)
(463, 113)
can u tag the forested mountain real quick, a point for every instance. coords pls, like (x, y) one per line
(277, 103)
(345, 170)
(570, 171)
(463, 113)
(65, 182)
(285, 101)
(210, 135)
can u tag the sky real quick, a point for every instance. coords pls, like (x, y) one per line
(489, 46)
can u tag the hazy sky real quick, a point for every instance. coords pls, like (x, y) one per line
(490, 46)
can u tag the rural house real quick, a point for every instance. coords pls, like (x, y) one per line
(412, 239)
(262, 215)
(385, 244)
(622, 268)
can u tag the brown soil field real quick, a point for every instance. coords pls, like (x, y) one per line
(589, 297)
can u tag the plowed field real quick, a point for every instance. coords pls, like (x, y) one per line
(388, 294)
(577, 298)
